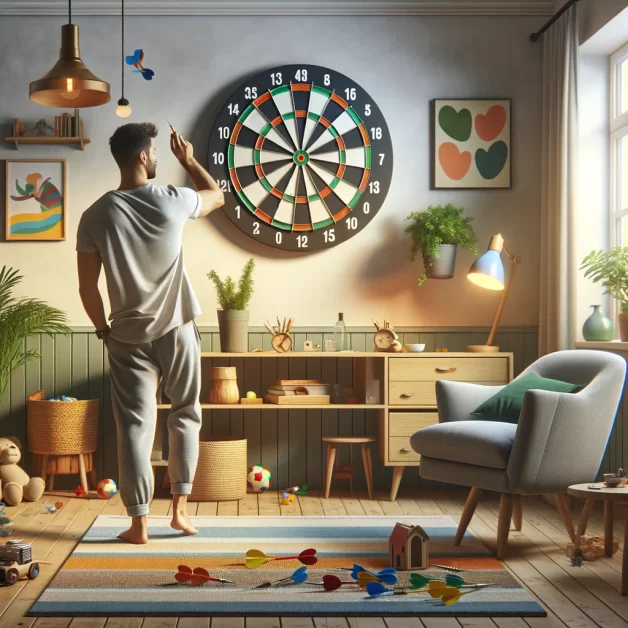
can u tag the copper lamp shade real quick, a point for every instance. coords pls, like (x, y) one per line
(69, 84)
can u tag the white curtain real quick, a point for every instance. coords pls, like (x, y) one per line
(559, 265)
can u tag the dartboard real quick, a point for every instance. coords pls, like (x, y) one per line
(304, 157)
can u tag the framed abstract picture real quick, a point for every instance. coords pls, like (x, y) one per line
(36, 202)
(472, 144)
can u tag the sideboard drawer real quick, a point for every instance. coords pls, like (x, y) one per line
(471, 369)
(412, 393)
(399, 450)
(407, 423)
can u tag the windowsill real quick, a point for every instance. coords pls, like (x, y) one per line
(613, 345)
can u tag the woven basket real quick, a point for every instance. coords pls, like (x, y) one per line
(61, 427)
(221, 471)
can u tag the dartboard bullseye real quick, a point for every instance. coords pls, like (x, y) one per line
(304, 157)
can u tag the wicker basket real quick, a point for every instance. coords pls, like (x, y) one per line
(221, 471)
(61, 428)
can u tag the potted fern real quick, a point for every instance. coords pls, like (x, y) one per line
(610, 268)
(436, 233)
(20, 318)
(233, 317)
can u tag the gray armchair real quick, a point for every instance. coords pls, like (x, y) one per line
(560, 438)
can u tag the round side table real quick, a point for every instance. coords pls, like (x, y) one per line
(610, 497)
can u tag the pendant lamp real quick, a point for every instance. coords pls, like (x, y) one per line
(69, 83)
(123, 109)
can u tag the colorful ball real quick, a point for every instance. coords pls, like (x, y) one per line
(107, 488)
(259, 479)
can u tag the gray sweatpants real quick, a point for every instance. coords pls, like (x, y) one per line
(135, 373)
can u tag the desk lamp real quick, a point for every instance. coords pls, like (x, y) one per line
(488, 272)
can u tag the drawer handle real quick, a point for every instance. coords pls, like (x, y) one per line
(406, 395)
(405, 450)
(439, 369)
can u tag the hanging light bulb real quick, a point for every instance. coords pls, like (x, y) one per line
(68, 91)
(123, 109)
(69, 79)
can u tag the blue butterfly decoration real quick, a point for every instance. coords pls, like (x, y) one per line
(136, 60)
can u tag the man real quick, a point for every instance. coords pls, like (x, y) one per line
(135, 232)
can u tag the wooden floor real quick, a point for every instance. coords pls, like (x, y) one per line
(578, 597)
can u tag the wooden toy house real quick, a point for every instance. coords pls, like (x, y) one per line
(409, 547)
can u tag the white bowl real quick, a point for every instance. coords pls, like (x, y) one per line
(415, 348)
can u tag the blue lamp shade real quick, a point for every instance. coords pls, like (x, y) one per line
(488, 271)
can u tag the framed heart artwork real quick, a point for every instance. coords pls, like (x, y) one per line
(472, 144)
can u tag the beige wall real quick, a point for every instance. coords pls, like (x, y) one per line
(402, 62)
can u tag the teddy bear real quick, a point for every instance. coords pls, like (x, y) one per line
(15, 483)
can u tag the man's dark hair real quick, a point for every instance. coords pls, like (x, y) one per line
(129, 140)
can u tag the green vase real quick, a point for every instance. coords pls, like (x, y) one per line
(598, 327)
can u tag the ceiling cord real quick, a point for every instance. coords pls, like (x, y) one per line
(70, 10)
(122, 51)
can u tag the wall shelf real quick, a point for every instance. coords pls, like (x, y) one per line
(276, 406)
(47, 140)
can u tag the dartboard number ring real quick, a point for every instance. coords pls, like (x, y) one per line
(304, 157)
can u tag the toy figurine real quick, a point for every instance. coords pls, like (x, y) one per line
(19, 130)
(41, 127)
(287, 498)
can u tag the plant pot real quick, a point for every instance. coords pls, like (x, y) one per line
(234, 330)
(598, 327)
(623, 327)
(442, 267)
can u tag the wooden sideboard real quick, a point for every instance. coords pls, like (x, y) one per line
(411, 399)
(400, 387)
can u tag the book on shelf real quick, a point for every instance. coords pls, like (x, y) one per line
(68, 125)
(312, 388)
(319, 400)
(286, 393)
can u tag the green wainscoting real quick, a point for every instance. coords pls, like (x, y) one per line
(289, 442)
(617, 452)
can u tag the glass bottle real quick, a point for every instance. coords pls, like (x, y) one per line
(340, 334)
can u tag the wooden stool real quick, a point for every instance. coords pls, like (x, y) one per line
(66, 464)
(345, 472)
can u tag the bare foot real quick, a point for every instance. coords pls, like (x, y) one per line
(180, 521)
(132, 535)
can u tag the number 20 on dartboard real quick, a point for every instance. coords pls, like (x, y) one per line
(304, 156)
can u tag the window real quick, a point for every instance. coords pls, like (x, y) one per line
(619, 144)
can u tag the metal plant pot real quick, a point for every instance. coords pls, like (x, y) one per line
(234, 330)
(442, 267)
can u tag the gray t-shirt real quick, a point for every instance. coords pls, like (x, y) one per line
(138, 234)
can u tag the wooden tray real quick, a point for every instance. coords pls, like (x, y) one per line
(298, 400)
(296, 382)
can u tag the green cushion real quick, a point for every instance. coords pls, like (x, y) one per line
(506, 405)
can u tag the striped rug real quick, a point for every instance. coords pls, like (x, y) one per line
(105, 576)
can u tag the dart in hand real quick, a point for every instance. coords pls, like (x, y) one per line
(255, 558)
(197, 576)
(298, 576)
